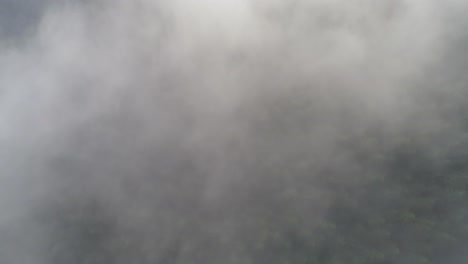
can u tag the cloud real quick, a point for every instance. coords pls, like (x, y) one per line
(203, 116)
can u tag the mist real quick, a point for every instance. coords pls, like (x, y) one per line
(156, 131)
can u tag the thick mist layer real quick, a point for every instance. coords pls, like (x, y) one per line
(190, 131)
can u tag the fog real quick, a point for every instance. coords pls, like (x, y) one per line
(157, 131)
